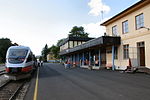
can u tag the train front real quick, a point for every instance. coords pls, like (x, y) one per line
(18, 62)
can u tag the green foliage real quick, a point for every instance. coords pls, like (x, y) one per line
(75, 32)
(78, 32)
(15, 44)
(45, 51)
(5, 43)
(40, 58)
(59, 41)
(55, 50)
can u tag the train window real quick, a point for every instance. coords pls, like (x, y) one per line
(29, 58)
(17, 56)
(17, 53)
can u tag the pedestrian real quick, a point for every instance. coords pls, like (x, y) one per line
(41, 63)
(66, 65)
(38, 63)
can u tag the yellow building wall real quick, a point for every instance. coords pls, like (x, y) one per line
(79, 43)
(71, 44)
(65, 46)
(132, 37)
(50, 57)
(75, 43)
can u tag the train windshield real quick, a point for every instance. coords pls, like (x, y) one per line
(16, 56)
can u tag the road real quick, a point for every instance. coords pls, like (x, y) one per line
(57, 83)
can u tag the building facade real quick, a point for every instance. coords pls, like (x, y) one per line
(93, 52)
(133, 26)
(126, 40)
(72, 42)
(50, 56)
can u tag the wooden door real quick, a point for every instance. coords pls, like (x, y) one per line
(142, 56)
(141, 47)
(103, 56)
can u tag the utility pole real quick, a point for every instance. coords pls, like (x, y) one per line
(102, 13)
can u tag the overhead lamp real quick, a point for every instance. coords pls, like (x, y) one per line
(146, 28)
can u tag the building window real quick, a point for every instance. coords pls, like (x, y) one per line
(126, 51)
(75, 43)
(139, 21)
(29, 57)
(140, 44)
(114, 30)
(125, 27)
(116, 53)
(71, 44)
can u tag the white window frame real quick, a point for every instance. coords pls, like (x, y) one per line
(139, 21)
(125, 27)
(114, 31)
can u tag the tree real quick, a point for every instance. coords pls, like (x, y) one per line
(45, 51)
(78, 32)
(59, 41)
(5, 43)
(55, 50)
(15, 44)
(40, 58)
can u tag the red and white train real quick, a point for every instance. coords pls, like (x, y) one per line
(19, 61)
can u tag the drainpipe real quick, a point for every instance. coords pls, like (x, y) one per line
(71, 57)
(82, 58)
(78, 59)
(113, 55)
(99, 58)
(89, 58)
(74, 59)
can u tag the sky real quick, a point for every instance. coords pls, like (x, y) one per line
(35, 23)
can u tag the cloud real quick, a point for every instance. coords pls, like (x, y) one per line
(94, 29)
(97, 6)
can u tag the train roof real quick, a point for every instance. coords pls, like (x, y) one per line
(19, 47)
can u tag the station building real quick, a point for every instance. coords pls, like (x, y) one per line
(50, 56)
(127, 38)
(133, 26)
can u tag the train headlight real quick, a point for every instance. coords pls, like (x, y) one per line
(7, 69)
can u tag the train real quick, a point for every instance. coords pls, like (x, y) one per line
(20, 62)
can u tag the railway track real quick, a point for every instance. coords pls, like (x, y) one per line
(2, 69)
(10, 89)
(2, 72)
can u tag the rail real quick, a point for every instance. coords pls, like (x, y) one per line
(10, 89)
(2, 72)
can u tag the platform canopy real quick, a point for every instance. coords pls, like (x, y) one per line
(97, 42)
